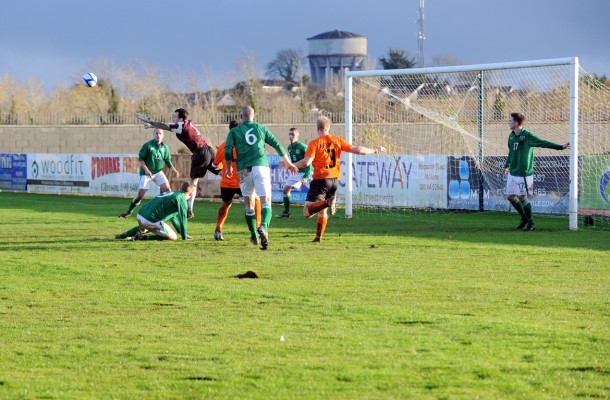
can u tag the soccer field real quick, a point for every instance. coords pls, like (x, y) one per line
(428, 306)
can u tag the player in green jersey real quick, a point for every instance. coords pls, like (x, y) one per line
(153, 155)
(520, 167)
(169, 206)
(249, 139)
(296, 150)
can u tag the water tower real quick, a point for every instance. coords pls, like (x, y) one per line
(332, 53)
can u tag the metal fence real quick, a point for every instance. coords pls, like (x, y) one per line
(55, 119)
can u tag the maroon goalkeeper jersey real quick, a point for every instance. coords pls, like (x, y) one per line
(188, 134)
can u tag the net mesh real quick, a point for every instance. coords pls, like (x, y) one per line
(446, 135)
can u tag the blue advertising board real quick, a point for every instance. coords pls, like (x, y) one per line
(278, 179)
(13, 171)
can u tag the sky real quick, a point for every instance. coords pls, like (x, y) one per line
(55, 42)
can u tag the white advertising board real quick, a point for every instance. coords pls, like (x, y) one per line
(93, 174)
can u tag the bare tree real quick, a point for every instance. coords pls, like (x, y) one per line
(288, 64)
(251, 83)
(8, 88)
(210, 100)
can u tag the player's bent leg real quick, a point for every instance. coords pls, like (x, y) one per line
(166, 232)
(306, 206)
(314, 208)
(332, 204)
(129, 233)
(207, 155)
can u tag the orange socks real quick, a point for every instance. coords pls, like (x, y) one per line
(258, 211)
(223, 212)
(321, 227)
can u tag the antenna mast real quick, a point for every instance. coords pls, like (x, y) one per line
(420, 35)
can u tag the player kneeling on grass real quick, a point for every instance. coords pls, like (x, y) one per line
(324, 153)
(171, 206)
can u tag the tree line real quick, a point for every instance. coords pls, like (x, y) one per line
(129, 88)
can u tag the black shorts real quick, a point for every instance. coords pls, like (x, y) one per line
(227, 194)
(322, 189)
(201, 162)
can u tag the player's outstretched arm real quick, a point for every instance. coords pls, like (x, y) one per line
(160, 125)
(148, 123)
(366, 150)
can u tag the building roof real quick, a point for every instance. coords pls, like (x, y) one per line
(336, 34)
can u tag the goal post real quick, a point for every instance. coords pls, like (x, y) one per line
(446, 132)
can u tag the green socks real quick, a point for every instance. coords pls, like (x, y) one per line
(527, 208)
(130, 232)
(132, 205)
(520, 209)
(287, 203)
(251, 221)
(266, 215)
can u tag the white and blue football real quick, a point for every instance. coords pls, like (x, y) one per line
(90, 79)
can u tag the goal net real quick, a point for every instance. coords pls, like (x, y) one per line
(446, 131)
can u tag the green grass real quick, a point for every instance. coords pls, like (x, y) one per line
(428, 306)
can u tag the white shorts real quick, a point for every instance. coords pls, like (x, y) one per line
(159, 178)
(159, 228)
(519, 185)
(255, 180)
(295, 181)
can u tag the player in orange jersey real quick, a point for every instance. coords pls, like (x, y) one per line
(229, 187)
(324, 153)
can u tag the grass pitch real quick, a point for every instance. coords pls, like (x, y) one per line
(429, 306)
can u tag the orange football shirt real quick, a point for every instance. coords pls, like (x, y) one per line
(326, 153)
(233, 181)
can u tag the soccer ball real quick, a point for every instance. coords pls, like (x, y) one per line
(90, 79)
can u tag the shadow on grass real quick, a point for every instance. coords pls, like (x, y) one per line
(473, 227)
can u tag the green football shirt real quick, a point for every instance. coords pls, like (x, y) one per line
(297, 153)
(520, 160)
(155, 155)
(249, 141)
(168, 206)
